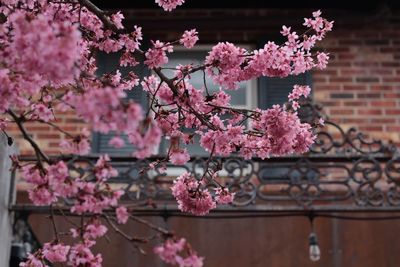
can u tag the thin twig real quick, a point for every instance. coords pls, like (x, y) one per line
(152, 226)
(54, 223)
(123, 234)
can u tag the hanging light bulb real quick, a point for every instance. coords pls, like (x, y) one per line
(315, 252)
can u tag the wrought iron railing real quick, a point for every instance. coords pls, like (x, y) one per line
(344, 171)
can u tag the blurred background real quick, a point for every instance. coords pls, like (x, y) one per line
(360, 89)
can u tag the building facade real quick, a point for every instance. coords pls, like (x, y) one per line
(360, 88)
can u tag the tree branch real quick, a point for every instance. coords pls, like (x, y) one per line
(100, 14)
(20, 122)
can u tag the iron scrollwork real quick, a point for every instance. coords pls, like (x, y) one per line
(342, 168)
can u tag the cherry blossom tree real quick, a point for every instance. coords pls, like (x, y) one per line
(48, 65)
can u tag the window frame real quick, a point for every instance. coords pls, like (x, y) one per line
(251, 85)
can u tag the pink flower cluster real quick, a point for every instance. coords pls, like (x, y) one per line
(81, 255)
(122, 214)
(103, 170)
(47, 64)
(225, 61)
(228, 64)
(190, 197)
(169, 253)
(36, 51)
(275, 132)
(193, 199)
(157, 55)
(94, 230)
(53, 182)
(55, 252)
(169, 5)
(189, 38)
(50, 183)
(284, 133)
(179, 157)
(79, 145)
(103, 109)
(3, 124)
(297, 92)
(33, 261)
(146, 141)
(42, 47)
(41, 112)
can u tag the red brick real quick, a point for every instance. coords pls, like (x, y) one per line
(369, 112)
(327, 88)
(392, 111)
(354, 87)
(383, 103)
(48, 136)
(342, 111)
(340, 79)
(369, 95)
(391, 79)
(354, 103)
(393, 128)
(383, 120)
(382, 87)
(371, 128)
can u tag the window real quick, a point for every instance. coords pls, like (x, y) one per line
(109, 63)
(270, 91)
(244, 97)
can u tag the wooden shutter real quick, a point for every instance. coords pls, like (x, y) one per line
(108, 63)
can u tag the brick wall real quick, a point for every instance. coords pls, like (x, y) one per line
(361, 86)
(47, 137)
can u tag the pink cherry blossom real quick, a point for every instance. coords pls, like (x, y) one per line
(94, 230)
(31, 174)
(189, 38)
(103, 170)
(169, 249)
(299, 91)
(117, 19)
(322, 60)
(223, 196)
(32, 261)
(48, 65)
(190, 197)
(116, 142)
(169, 5)
(179, 157)
(3, 124)
(81, 255)
(157, 55)
(295, 105)
(41, 196)
(55, 253)
(122, 214)
(132, 41)
(79, 145)
(191, 261)
(43, 47)
(41, 112)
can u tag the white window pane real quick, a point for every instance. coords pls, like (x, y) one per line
(238, 97)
